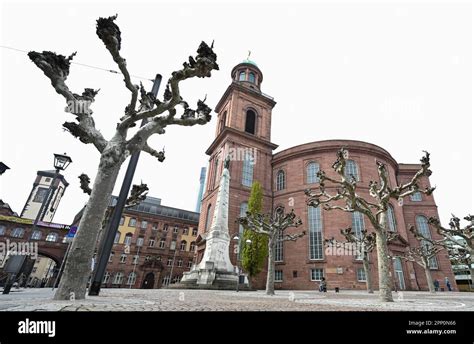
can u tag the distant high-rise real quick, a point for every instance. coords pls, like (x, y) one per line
(202, 179)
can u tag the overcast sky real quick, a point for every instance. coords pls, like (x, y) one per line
(396, 75)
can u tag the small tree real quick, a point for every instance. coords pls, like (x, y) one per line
(375, 211)
(254, 254)
(273, 227)
(156, 114)
(423, 254)
(457, 239)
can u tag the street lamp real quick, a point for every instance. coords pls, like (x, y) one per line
(237, 237)
(61, 162)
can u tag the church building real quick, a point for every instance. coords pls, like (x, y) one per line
(244, 119)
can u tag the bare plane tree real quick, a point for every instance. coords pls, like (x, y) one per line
(274, 228)
(375, 210)
(423, 254)
(113, 152)
(458, 240)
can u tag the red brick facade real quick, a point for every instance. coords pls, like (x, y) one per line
(296, 265)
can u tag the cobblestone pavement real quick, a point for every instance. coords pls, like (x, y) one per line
(206, 300)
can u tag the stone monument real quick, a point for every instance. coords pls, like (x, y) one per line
(215, 271)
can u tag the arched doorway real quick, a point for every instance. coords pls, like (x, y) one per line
(149, 281)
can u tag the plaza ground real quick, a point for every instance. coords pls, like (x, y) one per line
(206, 300)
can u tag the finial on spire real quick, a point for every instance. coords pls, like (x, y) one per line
(248, 56)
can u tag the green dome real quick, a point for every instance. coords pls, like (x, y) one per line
(249, 61)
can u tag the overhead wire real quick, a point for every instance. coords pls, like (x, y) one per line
(82, 64)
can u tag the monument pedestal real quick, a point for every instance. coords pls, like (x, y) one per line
(215, 271)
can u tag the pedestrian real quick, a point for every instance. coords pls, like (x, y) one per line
(448, 285)
(436, 284)
(323, 285)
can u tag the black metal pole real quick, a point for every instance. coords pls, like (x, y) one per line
(108, 239)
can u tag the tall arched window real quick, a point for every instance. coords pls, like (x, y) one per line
(182, 245)
(36, 235)
(223, 121)
(214, 176)
(279, 247)
(208, 217)
(117, 238)
(312, 170)
(252, 77)
(315, 233)
(52, 236)
(351, 170)
(424, 229)
(247, 170)
(2, 230)
(392, 224)
(250, 119)
(242, 76)
(192, 247)
(357, 228)
(281, 184)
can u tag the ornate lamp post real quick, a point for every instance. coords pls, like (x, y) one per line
(238, 238)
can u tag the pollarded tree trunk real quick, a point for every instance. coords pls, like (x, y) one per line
(368, 275)
(383, 260)
(78, 265)
(429, 278)
(270, 289)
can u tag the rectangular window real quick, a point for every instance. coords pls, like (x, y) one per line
(185, 231)
(278, 276)
(170, 262)
(416, 197)
(165, 228)
(122, 220)
(123, 258)
(315, 233)
(195, 231)
(135, 259)
(132, 222)
(180, 263)
(162, 243)
(317, 274)
(151, 243)
(279, 248)
(173, 245)
(361, 275)
(190, 264)
(247, 170)
(175, 229)
(140, 241)
(144, 225)
(40, 195)
(154, 226)
(111, 257)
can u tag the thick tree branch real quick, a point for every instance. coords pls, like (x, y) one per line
(110, 34)
(56, 68)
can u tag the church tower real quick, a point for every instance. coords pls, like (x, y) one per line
(244, 133)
